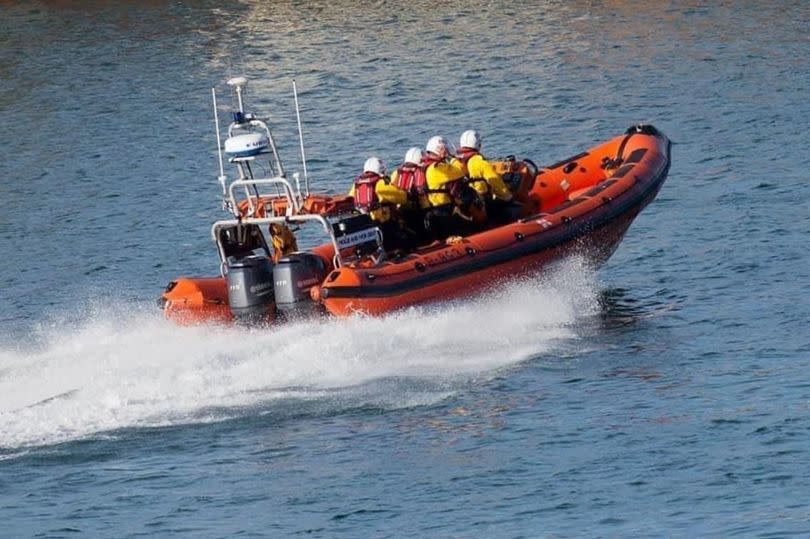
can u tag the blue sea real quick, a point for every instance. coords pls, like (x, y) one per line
(666, 394)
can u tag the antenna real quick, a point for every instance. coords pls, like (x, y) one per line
(301, 138)
(219, 144)
(297, 178)
(238, 85)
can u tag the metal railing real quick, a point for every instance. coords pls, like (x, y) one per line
(281, 220)
(293, 205)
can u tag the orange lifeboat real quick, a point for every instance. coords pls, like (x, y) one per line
(581, 205)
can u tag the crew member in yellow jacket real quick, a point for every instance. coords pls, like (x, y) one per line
(482, 175)
(375, 196)
(454, 208)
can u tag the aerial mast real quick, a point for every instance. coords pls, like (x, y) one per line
(301, 139)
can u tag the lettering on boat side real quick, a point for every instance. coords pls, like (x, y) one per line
(441, 256)
(355, 238)
(544, 223)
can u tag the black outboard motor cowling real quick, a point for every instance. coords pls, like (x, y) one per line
(250, 289)
(293, 276)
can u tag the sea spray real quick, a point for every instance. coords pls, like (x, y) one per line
(123, 367)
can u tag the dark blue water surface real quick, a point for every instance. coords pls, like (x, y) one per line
(667, 394)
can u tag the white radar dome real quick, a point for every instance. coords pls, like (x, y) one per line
(246, 145)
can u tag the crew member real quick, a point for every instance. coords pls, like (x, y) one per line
(410, 177)
(375, 196)
(453, 204)
(483, 177)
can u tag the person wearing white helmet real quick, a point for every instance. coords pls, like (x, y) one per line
(375, 196)
(410, 177)
(443, 175)
(483, 177)
(453, 209)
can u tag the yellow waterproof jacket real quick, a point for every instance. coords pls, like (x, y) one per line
(485, 180)
(388, 196)
(438, 175)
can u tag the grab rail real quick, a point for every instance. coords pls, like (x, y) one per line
(307, 217)
(289, 193)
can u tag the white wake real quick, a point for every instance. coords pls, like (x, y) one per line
(128, 369)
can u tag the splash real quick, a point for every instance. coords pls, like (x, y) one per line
(123, 369)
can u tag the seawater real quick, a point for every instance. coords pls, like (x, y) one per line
(664, 395)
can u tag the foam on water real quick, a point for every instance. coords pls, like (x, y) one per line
(128, 370)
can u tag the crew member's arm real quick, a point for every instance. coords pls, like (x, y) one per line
(390, 193)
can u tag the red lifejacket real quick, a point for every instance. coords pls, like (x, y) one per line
(429, 158)
(411, 179)
(465, 154)
(365, 192)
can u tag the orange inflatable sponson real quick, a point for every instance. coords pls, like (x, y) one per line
(196, 300)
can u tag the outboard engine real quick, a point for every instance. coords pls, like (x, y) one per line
(293, 276)
(250, 289)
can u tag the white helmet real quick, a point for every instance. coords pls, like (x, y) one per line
(414, 155)
(438, 145)
(375, 165)
(470, 139)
